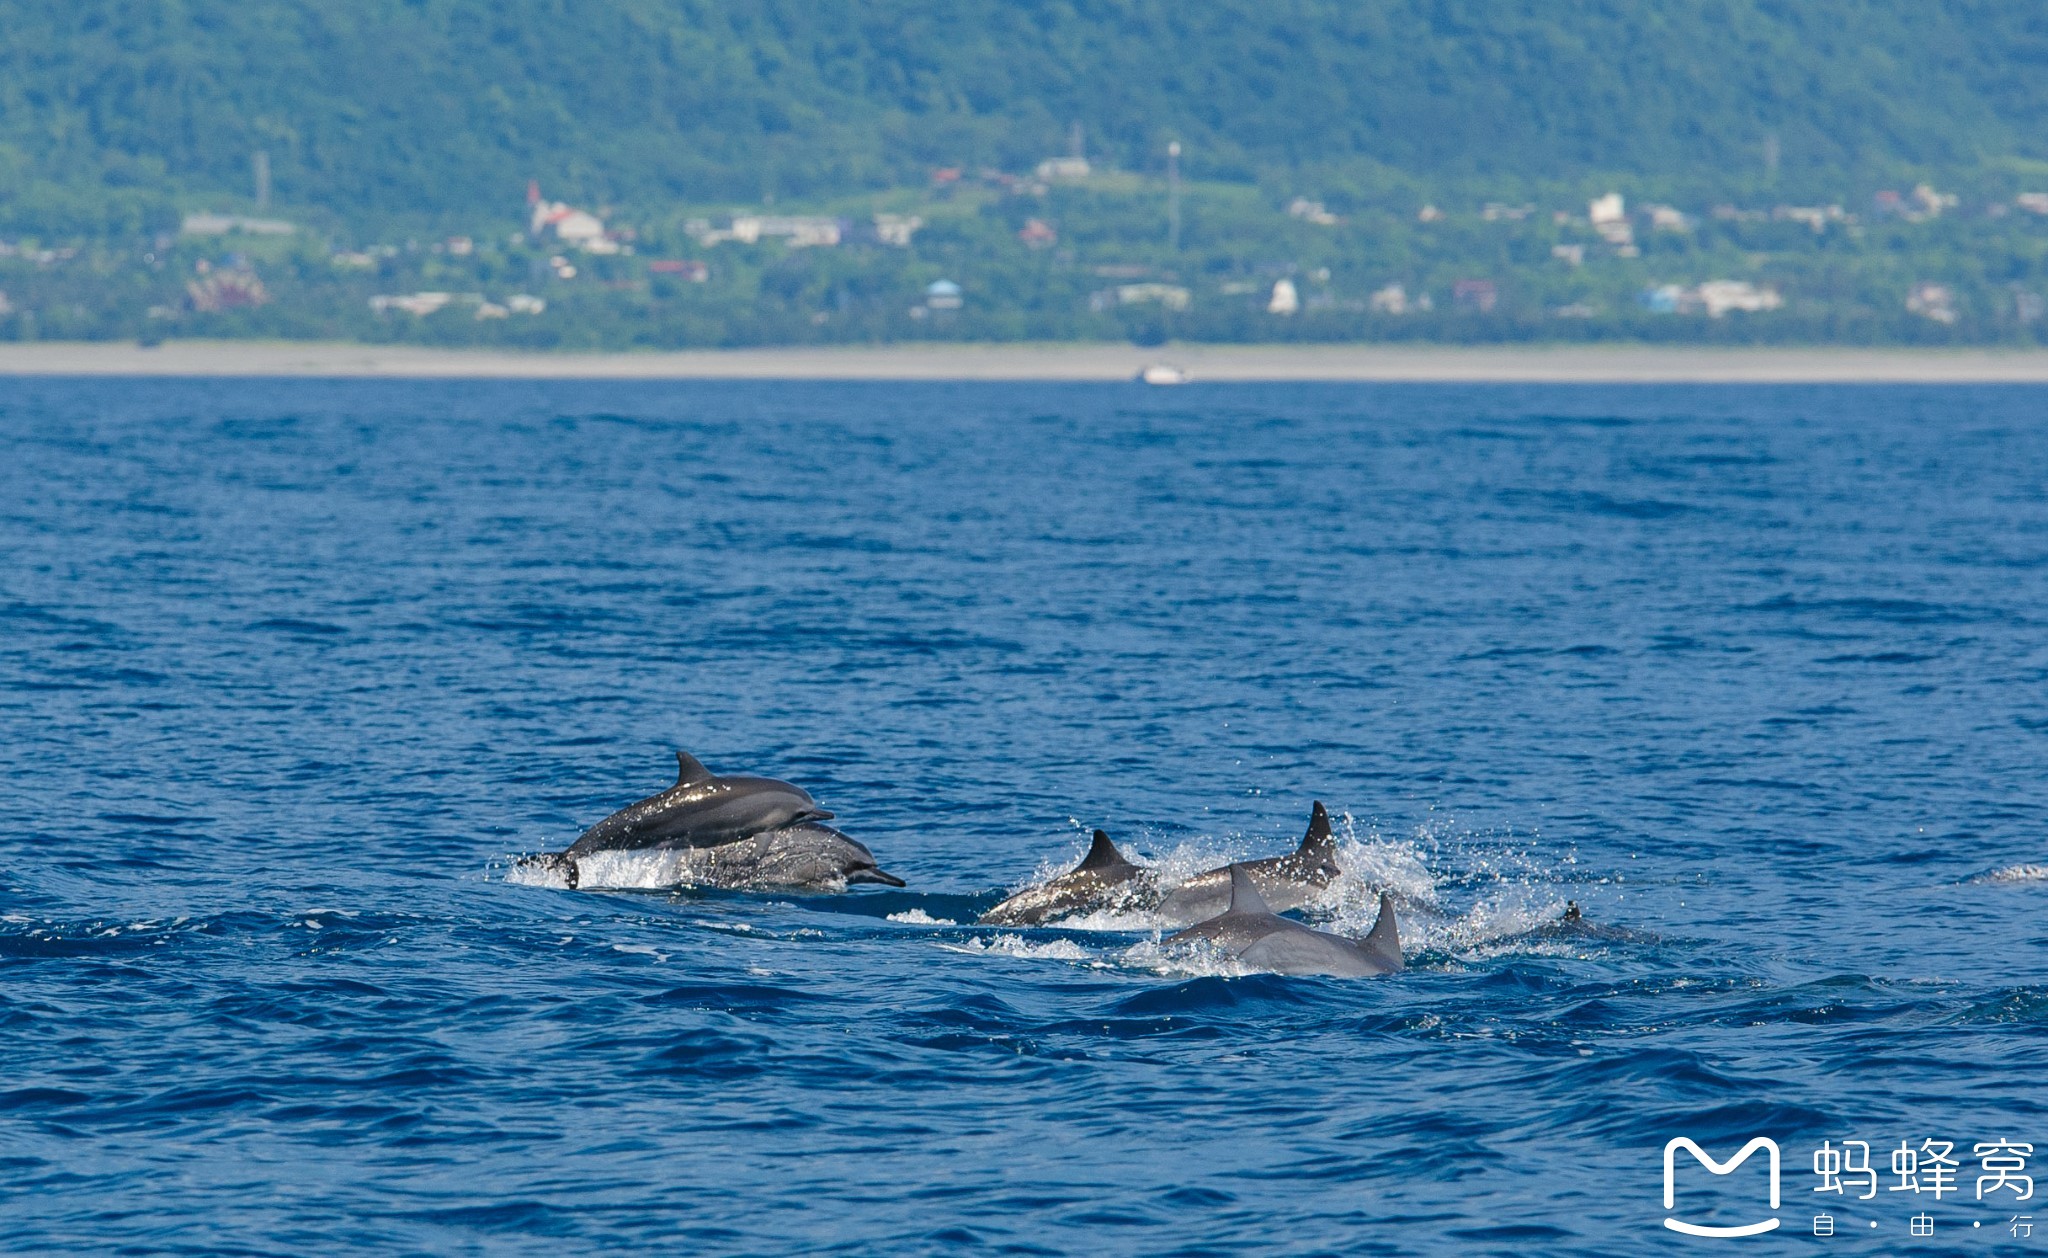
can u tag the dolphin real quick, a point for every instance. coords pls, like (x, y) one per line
(1103, 879)
(701, 810)
(1253, 934)
(803, 857)
(1286, 882)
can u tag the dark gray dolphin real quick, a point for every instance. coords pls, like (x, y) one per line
(1103, 879)
(701, 810)
(1253, 934)
(1286, 882)
(803, 857)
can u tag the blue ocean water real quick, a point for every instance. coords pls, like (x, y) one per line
(292, 669)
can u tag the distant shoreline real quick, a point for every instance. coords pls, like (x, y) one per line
(1559, 364)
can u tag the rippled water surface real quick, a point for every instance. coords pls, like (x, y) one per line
(291, 670)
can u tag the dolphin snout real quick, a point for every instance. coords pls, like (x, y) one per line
(872, 874)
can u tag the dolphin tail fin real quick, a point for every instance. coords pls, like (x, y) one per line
(690, 770)
(1102, 854)
(1384, 939)
(1244, 896)
(1318, 846)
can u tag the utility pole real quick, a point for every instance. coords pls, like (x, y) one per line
(1173, 196)
(259, 165)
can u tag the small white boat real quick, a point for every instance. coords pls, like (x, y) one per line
(1162, 373)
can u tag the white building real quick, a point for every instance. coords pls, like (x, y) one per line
(1285, 300)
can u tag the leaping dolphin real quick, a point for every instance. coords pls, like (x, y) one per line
(1253, 934)
(1103, 879)
(803, 857)
(701, 810)
(1285, 882)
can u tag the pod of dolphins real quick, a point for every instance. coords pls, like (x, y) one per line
(754, 833)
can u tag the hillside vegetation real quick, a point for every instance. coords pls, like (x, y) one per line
(112, 110)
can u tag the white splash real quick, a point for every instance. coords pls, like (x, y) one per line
(1018, 946)
(2017, 873)
(918, 917)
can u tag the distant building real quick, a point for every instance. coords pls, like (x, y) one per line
(2032, 202)
(230, 288)
(897, 229)
(1171, 296)
(1933, 301)
(1285, 300)
(943, 295)
(1393, 300)
(525, 303)
(1037, 234)
(799, 231)
(1480, 296)
(689, 268)
(1311, 212)
(1713, 298)
(1607, 209)
(1495, 211)
(1666, 218)
(577, 228)
(1428, 214)
(1570, 255)
(1816, 217)
(419, 305)
(223, 224)
(1070, 168)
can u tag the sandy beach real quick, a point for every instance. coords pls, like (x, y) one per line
(1073, 362)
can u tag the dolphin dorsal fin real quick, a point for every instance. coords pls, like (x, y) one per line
(1318, 844)
(1244, 896)
(1384, 939)
(1102, 854)
(690, 770)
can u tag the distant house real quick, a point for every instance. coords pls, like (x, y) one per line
(897, 229)
(943, 295)
(1816, 217)
(1933, 301)
(1393, 300)
(578, 228)
(1285, 300)
(1479, 296)
(2032, 202)
(231, 288)
(1667, 218)
(799, 231)
(1609, 216)
(1714, 298)
(1428, 214)
(1571, 255)
(1038, 234)
(1063, 168)
(223, 224)
(1171, 296)
(689, 268)
(1311, 212)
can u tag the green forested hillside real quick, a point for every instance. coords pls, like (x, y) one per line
(399, 107)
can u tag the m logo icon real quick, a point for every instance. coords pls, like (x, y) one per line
(1716, 1168)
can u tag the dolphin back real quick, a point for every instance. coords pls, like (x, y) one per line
(701, 810)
